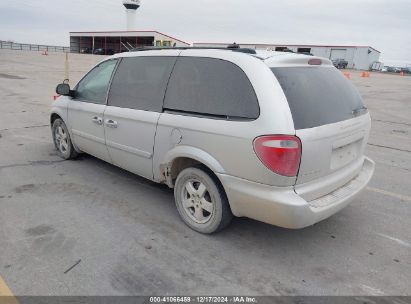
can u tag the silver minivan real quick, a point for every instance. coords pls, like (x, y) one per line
(276, 137)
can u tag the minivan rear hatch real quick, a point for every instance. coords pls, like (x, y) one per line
(331, 121)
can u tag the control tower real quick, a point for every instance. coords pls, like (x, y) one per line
(131, 8)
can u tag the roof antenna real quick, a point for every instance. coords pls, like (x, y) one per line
(233, 46)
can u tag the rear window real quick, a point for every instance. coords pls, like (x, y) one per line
(318, 96)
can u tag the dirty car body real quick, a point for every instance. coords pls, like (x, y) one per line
(280, 136)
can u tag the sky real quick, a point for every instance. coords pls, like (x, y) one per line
(382, 24)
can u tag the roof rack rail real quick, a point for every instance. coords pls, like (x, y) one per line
(239, 49)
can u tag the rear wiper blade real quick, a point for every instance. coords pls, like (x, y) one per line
(360, 111)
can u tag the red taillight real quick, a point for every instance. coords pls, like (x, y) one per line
(280, 153)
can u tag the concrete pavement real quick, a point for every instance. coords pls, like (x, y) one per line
(127, 234)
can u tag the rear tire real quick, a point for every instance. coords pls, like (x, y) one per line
(62, 140)
(201, 201)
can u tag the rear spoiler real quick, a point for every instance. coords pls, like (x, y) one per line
(297, 60)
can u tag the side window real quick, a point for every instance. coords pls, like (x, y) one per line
(140, 83)
(211, 87)
(93, 88)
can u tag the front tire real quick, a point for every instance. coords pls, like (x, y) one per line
(201, 201)
(62, 140)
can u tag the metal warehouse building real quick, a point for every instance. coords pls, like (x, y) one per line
(120, 41)
(358, 57)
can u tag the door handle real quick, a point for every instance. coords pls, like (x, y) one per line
(111, 123)
(97, 120)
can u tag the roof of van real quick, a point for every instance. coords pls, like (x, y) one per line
(271, 58)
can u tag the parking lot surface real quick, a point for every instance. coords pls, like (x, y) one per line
(123, 234)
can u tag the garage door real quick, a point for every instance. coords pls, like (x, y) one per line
(338, 54)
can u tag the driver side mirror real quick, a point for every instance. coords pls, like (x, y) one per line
(64, 89)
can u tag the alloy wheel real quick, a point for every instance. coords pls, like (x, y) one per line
(197, 201)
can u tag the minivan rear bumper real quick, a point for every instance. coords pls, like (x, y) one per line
(282, 206)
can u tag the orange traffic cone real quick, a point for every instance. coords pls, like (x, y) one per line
(347, 75)
(365, 74)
